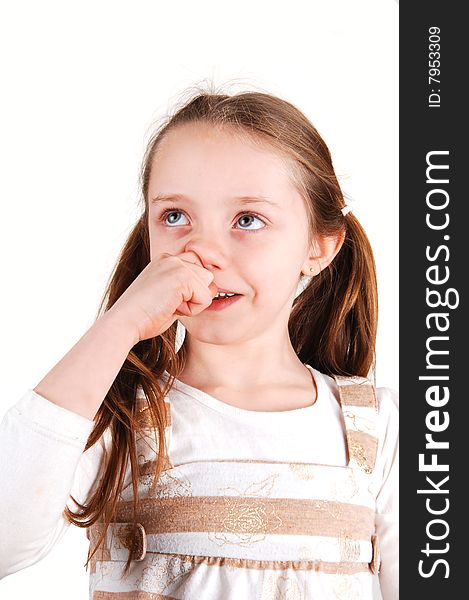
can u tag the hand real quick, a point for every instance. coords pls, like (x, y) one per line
(168, 287)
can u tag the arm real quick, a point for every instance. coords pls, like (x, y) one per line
(387, 501)
(81, 379)
(41, 461)
(42, 438)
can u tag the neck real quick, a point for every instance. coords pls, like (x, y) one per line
(265, 360)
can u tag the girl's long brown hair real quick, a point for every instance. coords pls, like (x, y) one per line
(332, 324)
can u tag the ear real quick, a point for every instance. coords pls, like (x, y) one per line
(322, 254)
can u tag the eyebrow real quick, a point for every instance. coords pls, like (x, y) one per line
(242, 199)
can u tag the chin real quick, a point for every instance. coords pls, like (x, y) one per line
(220, 338)
(219, 333)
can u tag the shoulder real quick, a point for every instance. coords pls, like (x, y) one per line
(388, 446)
(386, 400)
(388, 412)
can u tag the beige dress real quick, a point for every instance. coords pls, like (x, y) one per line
(240, 512)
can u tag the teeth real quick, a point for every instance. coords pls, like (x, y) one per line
(224, 295)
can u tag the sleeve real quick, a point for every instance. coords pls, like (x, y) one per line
(387, 500)
(41, 463)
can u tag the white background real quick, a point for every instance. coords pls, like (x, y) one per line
(82, 84)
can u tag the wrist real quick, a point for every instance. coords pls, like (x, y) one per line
(120, 326)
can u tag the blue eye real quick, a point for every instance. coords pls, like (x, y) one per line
(251, 215)
(169, 212)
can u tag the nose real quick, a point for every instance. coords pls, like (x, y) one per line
(208, 249)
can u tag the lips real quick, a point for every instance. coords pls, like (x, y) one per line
(222, 303)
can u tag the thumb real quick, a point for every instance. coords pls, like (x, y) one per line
(213, 288)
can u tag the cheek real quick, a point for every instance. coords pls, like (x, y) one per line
(278, 274)
(159, 243)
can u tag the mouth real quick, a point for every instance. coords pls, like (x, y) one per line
(224, 295)
(221, 301)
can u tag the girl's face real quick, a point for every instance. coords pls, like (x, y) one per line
(257, 248)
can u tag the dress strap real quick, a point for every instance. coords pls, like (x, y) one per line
(357, 396)
(147, 446)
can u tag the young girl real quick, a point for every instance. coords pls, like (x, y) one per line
(254, 458)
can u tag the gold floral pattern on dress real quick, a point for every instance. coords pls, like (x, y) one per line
(243, 522)
(347, 587)
(359, 423)
(345, 489)
(261, 489)
(281, 587)
(162, 572)
(357, 452)
(354, 391)
(349, 548)
(102, 572)
(303, 470)
(333, 509)
(170, 486)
